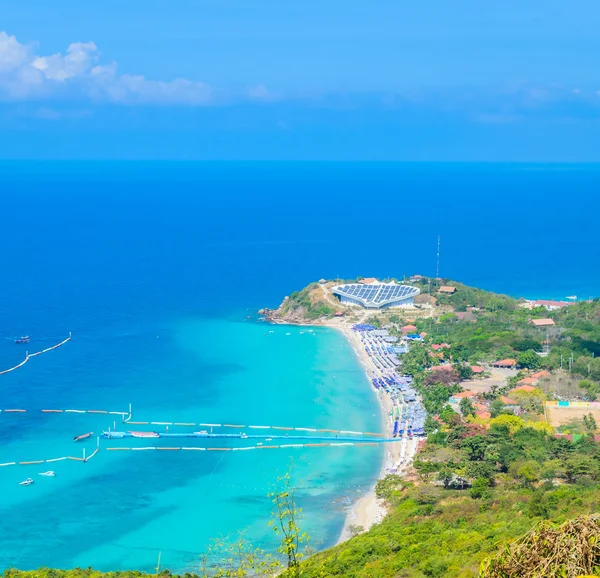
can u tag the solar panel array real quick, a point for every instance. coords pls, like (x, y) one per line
(376, 294)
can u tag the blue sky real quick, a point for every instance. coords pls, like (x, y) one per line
(463, 80)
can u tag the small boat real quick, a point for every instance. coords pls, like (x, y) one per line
(572, 297)
(48, 474)
(144, 434)
(269, 440)
(243, 436)
(23, 339)
(26, 482)
(83, 436)
(201, 432)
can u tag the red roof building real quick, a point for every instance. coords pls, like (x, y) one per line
(409, 329)
(447, 289)
(438, 346)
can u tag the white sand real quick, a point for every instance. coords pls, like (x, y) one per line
(368, 510)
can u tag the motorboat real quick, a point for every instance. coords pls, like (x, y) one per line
(48, 474)
(144, 434)
(23, 339)
(243, 436)
(201, 432)
(83, 436)
(26, 482)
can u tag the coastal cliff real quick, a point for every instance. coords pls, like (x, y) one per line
(311, 305)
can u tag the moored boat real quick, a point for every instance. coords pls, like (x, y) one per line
(26, 482)
(83, 436)
(48, 474)
(23, 339)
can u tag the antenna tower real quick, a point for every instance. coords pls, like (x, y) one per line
(437, 266)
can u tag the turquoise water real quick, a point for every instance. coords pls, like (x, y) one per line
(120, 509)
(155, 268)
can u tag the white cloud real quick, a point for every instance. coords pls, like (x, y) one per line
(79, 73)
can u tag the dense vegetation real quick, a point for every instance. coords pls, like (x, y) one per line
(476, 488)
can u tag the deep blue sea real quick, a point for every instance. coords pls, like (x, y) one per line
(158, 269)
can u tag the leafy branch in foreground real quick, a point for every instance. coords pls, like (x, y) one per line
(285, 517)
(236, 559)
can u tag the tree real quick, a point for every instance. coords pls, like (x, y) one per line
(530, 400)
(579, 466)
(459, 352)
(504, 352)
(480, 489)
(466, 407)
(464, 371)
(497, 407)
(526, 472)
(285, 517)
(590, 423)
(529, 359)
(474, 446)
(591, 388)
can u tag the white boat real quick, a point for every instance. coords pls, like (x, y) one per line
(48, 474)
(26, 482)
(572, 297)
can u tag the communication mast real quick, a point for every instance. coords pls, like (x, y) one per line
(437, 266)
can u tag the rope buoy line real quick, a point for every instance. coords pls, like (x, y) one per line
(28, 356)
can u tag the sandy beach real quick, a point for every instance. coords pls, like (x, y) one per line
(368, 510)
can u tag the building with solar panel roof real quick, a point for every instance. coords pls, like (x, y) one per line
(376, 295)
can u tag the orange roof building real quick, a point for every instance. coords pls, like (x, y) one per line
(506, 363)
(368, 280)
(477, 368)
(507, 400)
(463, 394)
(483, 414)
(409, 329)
(527, 381)
(542, 322)
(525, 388)
(540, 374)
(447, 289)
(438, 346)
(442, 368)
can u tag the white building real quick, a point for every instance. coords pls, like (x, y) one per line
(376, 295)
